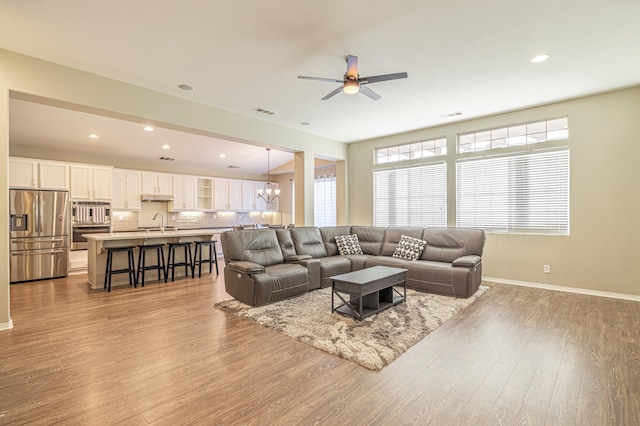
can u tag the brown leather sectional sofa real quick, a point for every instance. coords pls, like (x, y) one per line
(265, 266)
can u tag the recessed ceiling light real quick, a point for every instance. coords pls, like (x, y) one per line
(539, 58)
(165, 146)
(305, 123)
(148, 129)
(185, 87)
(94, 136)
(223, 155)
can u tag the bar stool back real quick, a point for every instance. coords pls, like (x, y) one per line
(109, 271)
(197, 257)
(171, 260)
(142, 266)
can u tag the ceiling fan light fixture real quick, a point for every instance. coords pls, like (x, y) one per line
(351, 87)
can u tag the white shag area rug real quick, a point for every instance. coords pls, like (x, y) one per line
(373, 342)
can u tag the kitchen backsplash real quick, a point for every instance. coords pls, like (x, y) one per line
(131, 221)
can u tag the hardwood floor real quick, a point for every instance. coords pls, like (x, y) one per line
(163, 355)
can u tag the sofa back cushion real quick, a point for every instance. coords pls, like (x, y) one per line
(448, 244)
(392, 237)
(259, 246)
(307, 240)
(286, 243)
(329, 234)
(370, 238)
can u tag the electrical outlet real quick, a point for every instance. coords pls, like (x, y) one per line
(546, 269)
(120, 218)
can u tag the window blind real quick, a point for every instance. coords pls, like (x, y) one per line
(414, 196)
(324, 194)
(518, 193)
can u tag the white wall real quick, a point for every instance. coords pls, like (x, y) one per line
(603, 247)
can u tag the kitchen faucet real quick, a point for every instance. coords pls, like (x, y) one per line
(155, 216)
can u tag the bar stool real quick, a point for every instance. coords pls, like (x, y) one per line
(109, 271)
(171, 260)
(197, 257)
(142, 266)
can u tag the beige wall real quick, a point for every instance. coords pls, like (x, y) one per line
(27, 77)
(603, 247)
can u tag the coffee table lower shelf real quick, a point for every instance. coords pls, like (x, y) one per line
(351, 308)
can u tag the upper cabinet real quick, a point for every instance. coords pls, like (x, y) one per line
(90, 183)
(184, 193)
(156, 183)
(126, 190)
(227, 194)
(30, 173)
(249, 195)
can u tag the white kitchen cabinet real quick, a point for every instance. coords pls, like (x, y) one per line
(156, 183)
(126, 190)
(249, 195)
(31, 173)
(90, 183)
(227, 194)
(204, 194)
(184, 193)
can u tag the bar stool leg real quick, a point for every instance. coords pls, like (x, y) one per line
(132, 268)
(107, 274)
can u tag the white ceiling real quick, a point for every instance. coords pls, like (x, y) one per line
(464, 56)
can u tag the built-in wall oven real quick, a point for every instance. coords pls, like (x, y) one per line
(88, 217)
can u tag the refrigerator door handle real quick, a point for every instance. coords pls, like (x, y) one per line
(36, 252)
(38, 213)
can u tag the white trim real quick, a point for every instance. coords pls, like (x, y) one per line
(565, 289)
(6, 325)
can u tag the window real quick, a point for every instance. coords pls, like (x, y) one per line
(415, 196)
(324, 191)
(523, 134)
(523, 192)
(412, 151)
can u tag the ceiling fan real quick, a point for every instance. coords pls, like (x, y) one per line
(352, 83)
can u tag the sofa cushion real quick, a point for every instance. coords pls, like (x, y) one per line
(370, 238)
(307, 240)
(392, 238)
(280, 282)
(259, 246)
(394, 262)
(348, 244)
(329, 234)
(286, 243)
(334, 265)
(409, 248)
(448, 244)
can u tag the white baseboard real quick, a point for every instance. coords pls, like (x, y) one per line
(565, 289)
(6, 325)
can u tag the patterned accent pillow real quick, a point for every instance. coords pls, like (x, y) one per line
(409, 248)
(348, 244)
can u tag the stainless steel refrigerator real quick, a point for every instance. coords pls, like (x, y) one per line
(39, 234)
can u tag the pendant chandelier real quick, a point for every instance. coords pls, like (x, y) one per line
(269, 194)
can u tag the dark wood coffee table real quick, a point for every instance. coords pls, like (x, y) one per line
(370, 290)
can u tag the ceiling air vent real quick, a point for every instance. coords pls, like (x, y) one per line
(263, 111)
(167, 158)
(451, 114)
(234, 167)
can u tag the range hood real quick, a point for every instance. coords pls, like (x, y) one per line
(156, 197)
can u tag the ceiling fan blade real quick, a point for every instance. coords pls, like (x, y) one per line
(352, 67)
(370, 93)
(330, 80)
(332, 94)
(385, 77)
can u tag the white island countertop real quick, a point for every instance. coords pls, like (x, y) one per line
(113, 236)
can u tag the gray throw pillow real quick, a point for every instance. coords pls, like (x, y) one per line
(348, 244)
(409, 248)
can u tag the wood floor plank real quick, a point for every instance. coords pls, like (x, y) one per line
(163, 355)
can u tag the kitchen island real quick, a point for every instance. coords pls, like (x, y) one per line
(97, 253)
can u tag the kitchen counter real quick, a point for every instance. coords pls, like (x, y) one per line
(97, 255)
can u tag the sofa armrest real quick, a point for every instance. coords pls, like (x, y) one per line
(297, 258)
(245, 267)
(469, 261)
